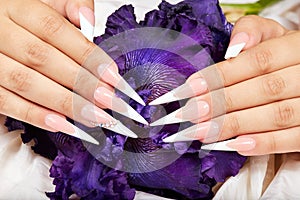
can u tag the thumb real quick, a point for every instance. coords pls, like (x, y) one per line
(253, 30)
(71, 8)
(85, 7)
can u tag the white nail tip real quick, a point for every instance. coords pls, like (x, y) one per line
(234, 50)
(123, 130)
(218, 146)
(83, 135)
(168, 97)
(177, 138)
(129, 91)
(86, 28)
(131, 113)
(168, 119)
(180, 136)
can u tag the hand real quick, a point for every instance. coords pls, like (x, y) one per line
(261, 90)
(253, 97)
(42, 58)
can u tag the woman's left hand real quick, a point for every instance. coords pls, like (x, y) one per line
(259, 88)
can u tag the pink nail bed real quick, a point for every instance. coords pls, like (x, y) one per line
(108, 99)
(193, 110)
(95, 114)
(193, 88)
(88, 14)
(239, 38)
(242, 144)
(59, 123)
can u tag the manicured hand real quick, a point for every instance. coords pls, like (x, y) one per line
(253, 97)
(46, 72)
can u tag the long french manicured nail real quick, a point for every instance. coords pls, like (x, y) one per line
(108, 99)
(196, 132)
(192, 88)
(189, 89)
(107, 73)
(87, 22)
(61, 124)
(88, 14)
(122, 129)
(242, 144)
(236, 45)
(191, 111)
(96, 115)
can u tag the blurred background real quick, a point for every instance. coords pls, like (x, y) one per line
(286, 12)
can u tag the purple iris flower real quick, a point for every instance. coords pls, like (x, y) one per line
(155, 56)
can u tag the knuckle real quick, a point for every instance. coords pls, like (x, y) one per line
(27, 113)
(20, 80)
(228, 101)
(271, 144)
(261, 59)
(284, 114)
(51, 25)
(37, 54)
(66, 104)
(233, 124)
(273, 86)
(90, 47)
(221, 69)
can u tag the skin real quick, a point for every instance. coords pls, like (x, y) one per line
(43, 59)
(260, 88)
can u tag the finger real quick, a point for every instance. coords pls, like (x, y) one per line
(269, 56)
(54, 29)
(41, 90)
(279, 85)
(271, 117)
(282, 141)
(253, 29)
(16, 107)
(25, 48)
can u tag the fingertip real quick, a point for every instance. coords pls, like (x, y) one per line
(85, 8)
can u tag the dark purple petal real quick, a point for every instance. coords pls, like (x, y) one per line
(220, 165)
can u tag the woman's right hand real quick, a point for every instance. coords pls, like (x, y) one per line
(44, 69)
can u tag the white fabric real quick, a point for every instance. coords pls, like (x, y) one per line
(286, 183)
(248, 183)
(25, 175)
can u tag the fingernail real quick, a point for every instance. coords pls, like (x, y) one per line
(110, 76)
(196, 132)
(96, 115)
(242, 144)
(193, 110)
(123, 130)
(108, 99)
(193, 88)
(61, 124)
(236, 45)
(88, 14)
